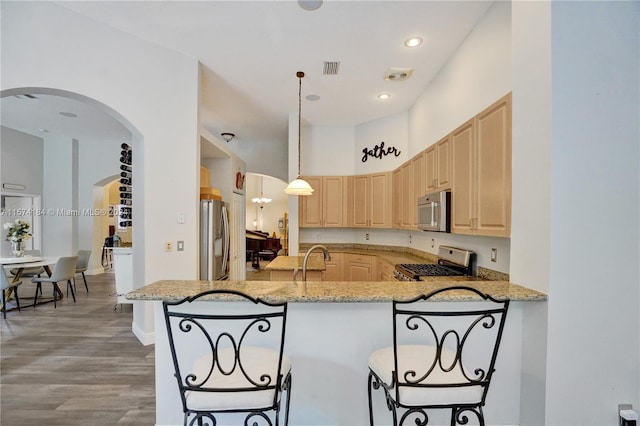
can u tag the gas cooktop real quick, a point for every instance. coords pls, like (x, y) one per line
(451, 262)
(427, 269)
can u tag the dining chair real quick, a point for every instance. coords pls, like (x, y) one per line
(82, 265)
(229, 362)
(64, 270)
(443, 356)
(29, 272)
(5, 285)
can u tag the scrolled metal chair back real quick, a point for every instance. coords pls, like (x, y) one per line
(440, 346)
(209, 347)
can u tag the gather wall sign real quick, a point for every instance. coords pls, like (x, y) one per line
(379, 151)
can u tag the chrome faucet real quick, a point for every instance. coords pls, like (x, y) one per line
(325, 252)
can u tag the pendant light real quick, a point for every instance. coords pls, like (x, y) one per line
(299, 186)
(262, 200)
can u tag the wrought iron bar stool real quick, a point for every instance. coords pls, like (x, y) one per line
(443, 356)
(231, 361)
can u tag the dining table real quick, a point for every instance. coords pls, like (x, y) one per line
(18, 264)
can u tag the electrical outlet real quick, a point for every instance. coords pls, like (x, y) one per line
(494, 254)
(409, 239)
(433, 243)
(168, 246)
(366, 237)
(180, 246)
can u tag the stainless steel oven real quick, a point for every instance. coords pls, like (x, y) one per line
(434, 212)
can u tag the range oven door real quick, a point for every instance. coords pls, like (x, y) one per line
(434, 212)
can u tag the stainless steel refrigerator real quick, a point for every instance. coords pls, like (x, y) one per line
(214, 240)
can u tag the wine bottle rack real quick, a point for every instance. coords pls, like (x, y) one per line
(126, 182)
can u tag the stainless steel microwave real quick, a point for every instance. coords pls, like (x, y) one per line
(434, 212)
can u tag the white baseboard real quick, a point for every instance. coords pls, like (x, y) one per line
(144, 338)
(95, 271)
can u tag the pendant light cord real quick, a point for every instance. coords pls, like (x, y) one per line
(300, 74)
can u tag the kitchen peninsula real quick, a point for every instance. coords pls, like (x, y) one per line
(284, 268)
(332, 328)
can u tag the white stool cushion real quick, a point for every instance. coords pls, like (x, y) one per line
(255, 361)
(419, 358)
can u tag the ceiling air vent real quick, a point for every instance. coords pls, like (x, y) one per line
(398, 74)
(331, 68)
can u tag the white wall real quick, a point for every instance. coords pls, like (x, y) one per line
(60, 201)
(593, 344)
(531, 189)
(133, 80)
(21, 160)
(477, 74)
(327, 150)
(97, 160)
(24, 163)
(262, 157)
(393, 131)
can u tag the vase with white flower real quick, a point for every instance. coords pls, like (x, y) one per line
(17, 234)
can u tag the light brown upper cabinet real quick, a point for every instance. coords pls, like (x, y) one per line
(327, 206)
(407, 186)
(407, 212)
(481, 187)
(380, 198)
(396, 197)
(438, 166)
(369, 201)
(419, 187)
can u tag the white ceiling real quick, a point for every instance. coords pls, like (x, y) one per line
(251, 50)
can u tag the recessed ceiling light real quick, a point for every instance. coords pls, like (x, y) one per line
(68, 114)
(384, 96)
(413, 42)
(312, 97)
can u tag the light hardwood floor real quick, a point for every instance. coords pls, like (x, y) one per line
(79, 364)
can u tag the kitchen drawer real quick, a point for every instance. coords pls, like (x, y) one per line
(361, 258)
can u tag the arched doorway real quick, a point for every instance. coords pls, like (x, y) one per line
(266, 213)
(80, 147)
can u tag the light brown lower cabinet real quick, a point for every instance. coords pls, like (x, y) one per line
(358, 267)
(334, 268)
(385, 270)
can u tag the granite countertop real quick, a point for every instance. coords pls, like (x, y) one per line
(290, 263)
(331, 291)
